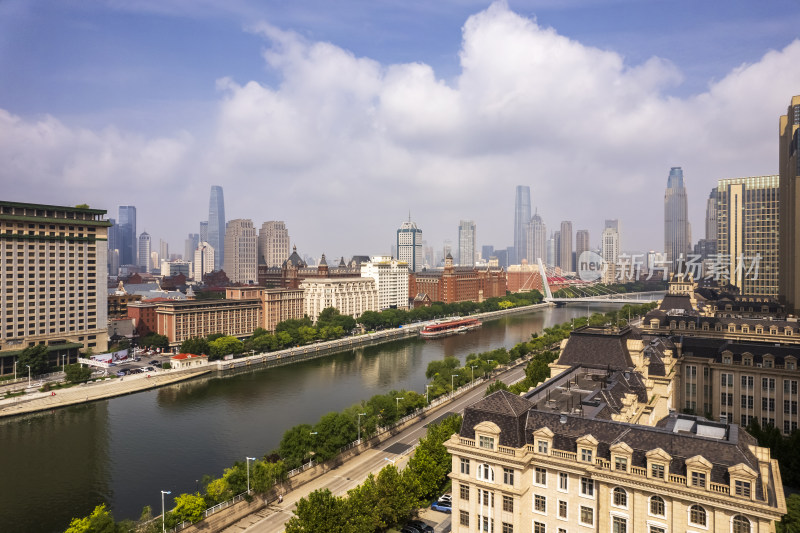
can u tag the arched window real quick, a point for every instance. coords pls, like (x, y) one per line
(657, 506)
(697, 515)
(485, 472)
(740, 524)
(620, 497)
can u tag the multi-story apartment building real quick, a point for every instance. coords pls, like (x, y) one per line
(143, 258)
(273, 243)
(537, 240)
(609, 248)
(351, 296)
(53, 281)
(241, 250)
(409, 245)
(280, 305)
(747, 233)
(565, 248)
(391, 280)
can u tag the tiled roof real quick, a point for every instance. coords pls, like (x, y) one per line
(594, 346)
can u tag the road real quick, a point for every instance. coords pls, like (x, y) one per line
(396, 449)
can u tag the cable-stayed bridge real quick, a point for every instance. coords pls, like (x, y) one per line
(578, 290)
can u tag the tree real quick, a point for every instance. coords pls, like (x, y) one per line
(99, 521)
(189, 507)
(322, 512)
(431, 463)
(77, 373)
(790, 523)
(394, 501)
(295, 445)
(225, 346)
(196, 345)
(35, 357)
(154, 340)
(264, 475)
(370, 320)
(334, 430)
(495, 386)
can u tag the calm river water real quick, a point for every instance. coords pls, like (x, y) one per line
(124, 451)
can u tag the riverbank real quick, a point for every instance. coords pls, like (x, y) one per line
(91, 392)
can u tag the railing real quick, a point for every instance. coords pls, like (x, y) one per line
(639, 471)
(719, 487)
(506, 450)
(676, 478)
(561, 454)
(466, 442)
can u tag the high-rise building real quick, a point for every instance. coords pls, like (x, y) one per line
(203, 261)
(537, 240)
(391, 280)
(409, 245)
(127, 235)
(487, 252)
(54, 281)
(273, 243)
(190, 245)
(553, 246)
(565, 248)
(612, 223)
(747, 233)
(522, 217)
(143, 257)
(163, 250)
(711, 216)
(216, 225)
(113, 247)
(204, 231)
(466, 243)
(609, 249)
(241, 246)
(789, 168)
(677, 232)
(581, 242)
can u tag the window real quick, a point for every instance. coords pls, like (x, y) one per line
(587, 486)
(586, 455)
(465, 466)
(538, 527)
(657, 529)
(620, 497)
(464, 518)
(485, 472)
(486, 498)
(539, 503)
(508, 476)
(747, 401)
(697, 515)
(747, 382)
(726, 380)
(699, 479)
(486, 442)
(508, 528)
(657, 507)
(464, 492)
(543, 446)
(742, 488)
(740, 524)
(587, 515)
(657, 471)
(562, 509)
(540, 476)
(619, 525)
(768, 384)
(508, 503)
(789, 386)
(486, 524)
(563, 480)
(621, 464)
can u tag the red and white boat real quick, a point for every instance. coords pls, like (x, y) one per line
(450, 327)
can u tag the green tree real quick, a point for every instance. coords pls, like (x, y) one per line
(430, 464)
(189, 507)
(283, 339)
(495, 386)
(334, 430)
(264, 475)
(99, 521)
(371, 320)
(217, 491)
(77, 373)
(306, 334)
(225, 346)
(35, 357)
(196, 345)
(322, 512)
(790, 523)
(395, 502)
(154, 340)
(296, 445)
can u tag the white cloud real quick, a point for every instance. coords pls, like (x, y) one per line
(343, 146)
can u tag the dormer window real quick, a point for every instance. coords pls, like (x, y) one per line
(742, 479)
(742, 488)
(486, 442)
(542, 447)
(587, 448)
(586, 455)
(657, 471)
(622, 454)
(790, 363)
(621, 464)
(699, 479)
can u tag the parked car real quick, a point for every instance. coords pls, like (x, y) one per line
(443, 506)
(153, 362)
(122, 373)
(409, 529)
(421, 526)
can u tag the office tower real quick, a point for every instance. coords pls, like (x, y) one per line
(190, 245)
(203, 231)
(711, 216)
(677, 240)
(409, 245)
(427, 254)
(466, 243)
(273, 243)
(552, 249)
(127, 235)
(487, 251)
(163, 251)
(612, 223)
(113, 247)
(789, 168)
(241, 245)
(609, 249)
(216, 225)
(565, 247)
(537, 240)
(155, 261)
(581, 242)
(391, 280)
(747, 227)
(522, 216)
(144, 252)
(203, 261)
(54, 279)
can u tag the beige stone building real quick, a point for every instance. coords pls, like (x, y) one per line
(351, 296)
(281, 305)
(241, 251)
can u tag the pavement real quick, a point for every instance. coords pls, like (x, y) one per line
(396, 449)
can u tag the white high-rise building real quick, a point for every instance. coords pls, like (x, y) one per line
(241, 245)
(273, 243)
(466, 243)
(610, 253)
(350, 296)
(144, 252)
(391, 280)
(203, 261)
(537, 240)
(409, 245)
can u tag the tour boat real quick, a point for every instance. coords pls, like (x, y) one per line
(450, 327)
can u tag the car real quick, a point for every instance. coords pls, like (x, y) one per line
(153, 362)
(122, 373)
(442, 506)
(409, 529)
(446, 498)
(421, 526)
(137, 359)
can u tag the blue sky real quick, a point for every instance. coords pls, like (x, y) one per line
(331, 114)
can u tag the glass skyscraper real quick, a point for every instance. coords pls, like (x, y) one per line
(676, 218)
(409, 245)
(466, 243)
(522, 217)
(127, 235)
(216, 225)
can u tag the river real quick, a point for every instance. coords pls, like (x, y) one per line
(123, 451)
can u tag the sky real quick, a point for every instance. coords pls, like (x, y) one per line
(341, 118)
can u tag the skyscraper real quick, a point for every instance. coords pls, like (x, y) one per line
(190, 245)
(273, 243)
(163, 250)
(127, 235)
(711, 216)
(216, 225)
(551, 251)
(241, 242)
(747, 227)
(409, 245)
(581, 242)
(522, 217)
(203, 261)
(789, 167)
(113, 247)
(466, 243)
(676, 218)
(204, 231)
(609, 249)
(537, 240)
(144, 252)
(565, 250)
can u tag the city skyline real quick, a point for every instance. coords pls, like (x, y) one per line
(382, 127)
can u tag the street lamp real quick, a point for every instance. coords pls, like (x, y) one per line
(426, 394)
(247, 460)
(29, 376)
(163, 518)
(452, 382)
(64, 362)
(397, 404)
(359, 425)
(472, 368)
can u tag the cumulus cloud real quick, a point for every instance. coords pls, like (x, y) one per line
(343, 146)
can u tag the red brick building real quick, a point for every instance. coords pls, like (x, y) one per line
(458, 284)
